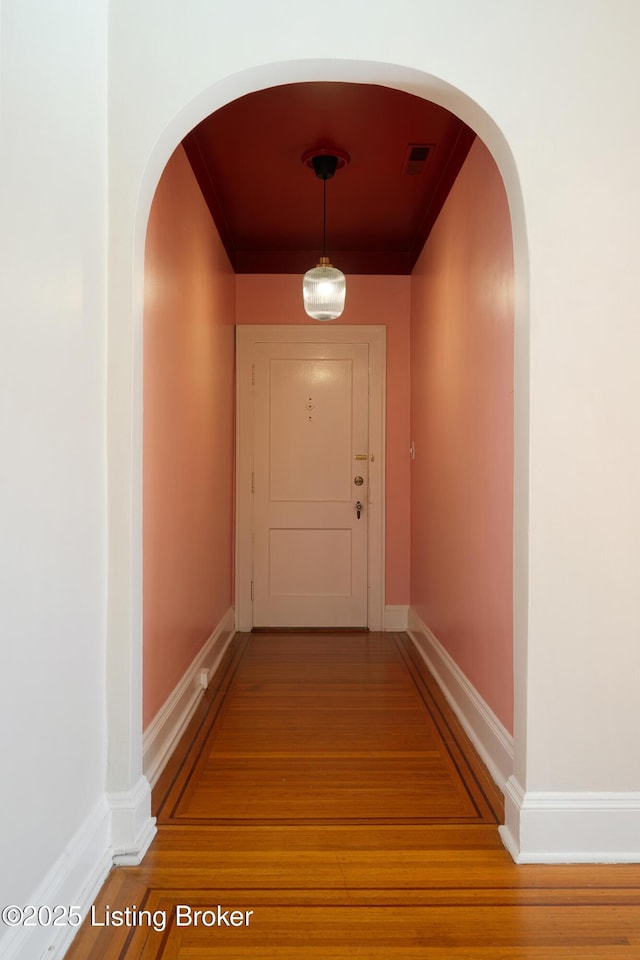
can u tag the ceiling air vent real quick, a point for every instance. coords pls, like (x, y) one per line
(416, 158)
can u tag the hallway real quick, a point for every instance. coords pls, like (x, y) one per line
(325, 803)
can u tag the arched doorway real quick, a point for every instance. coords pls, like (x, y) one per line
(128, 788)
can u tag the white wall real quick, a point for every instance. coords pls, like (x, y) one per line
(553, 90)
(561, 82)
(52, 444)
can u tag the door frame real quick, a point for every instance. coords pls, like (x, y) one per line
(247, 336)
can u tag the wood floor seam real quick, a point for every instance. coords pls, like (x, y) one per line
(380, 842)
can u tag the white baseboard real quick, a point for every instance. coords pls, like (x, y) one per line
(74, 880)
(395, 617)
(132, 826)
(546, 827)
(120, 828)
(490, 738)
(168, 725)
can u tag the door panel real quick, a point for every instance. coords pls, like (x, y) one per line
(322, 565)
(310, 422)
(310, 429)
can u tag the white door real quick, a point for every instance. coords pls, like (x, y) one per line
(310, 465)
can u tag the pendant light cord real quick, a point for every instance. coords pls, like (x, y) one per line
(324, 216)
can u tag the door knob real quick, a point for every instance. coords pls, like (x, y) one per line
(358, 508)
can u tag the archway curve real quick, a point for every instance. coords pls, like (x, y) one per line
(135, 830)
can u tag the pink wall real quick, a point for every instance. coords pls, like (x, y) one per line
(449, 379)
(277, 298)
(462, 425)
(188, 432)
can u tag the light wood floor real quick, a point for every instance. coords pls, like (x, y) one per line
(325, 786)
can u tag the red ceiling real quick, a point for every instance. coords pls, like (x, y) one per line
(268, 205)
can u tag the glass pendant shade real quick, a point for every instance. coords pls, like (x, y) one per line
(324, 289)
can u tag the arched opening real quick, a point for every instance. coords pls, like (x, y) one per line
(125, 751)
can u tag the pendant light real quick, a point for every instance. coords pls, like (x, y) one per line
(324, 286)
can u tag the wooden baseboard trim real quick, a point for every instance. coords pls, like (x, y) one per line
(396, 617)
(74, 880)
(168, 725)
(492, 741)
(132, 826)
(562, 827)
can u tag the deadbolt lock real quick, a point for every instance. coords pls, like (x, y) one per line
(358, 481)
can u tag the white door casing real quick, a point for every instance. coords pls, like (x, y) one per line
(302, 556)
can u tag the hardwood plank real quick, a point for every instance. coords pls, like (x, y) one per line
(296, 859)
(398, 926)
(93, 942)
(363, 775)
(272, 927)
(325, 785)
(401, 953)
